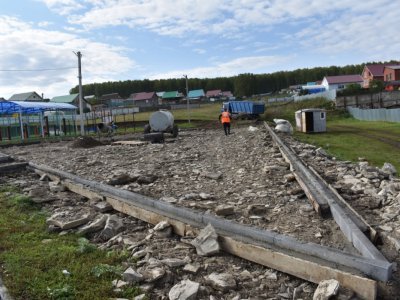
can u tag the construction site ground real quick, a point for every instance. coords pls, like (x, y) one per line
(241, 177)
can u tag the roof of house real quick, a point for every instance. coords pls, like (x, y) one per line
(393, 67)
(227, 94)
(23, 96)
(344, 79)
(196, 93)
(173, 94)
(143, 96)
(110, 96)
(65, 99)
(213, 93)
(376, 69)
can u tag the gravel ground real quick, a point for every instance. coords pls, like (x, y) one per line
(241, 177)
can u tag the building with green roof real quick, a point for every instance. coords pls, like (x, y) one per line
(71, 99)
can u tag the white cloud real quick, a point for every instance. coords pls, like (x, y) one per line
(63, 7)
(199, 51)
(372, 34)
(252, 64)
(25, 47)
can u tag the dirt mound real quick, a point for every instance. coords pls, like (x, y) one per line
(85, 142)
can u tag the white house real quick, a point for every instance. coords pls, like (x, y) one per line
(340, 82)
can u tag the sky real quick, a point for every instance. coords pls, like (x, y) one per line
(159, 39)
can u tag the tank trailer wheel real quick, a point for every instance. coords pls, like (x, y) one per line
(175, 131)
(146, 129)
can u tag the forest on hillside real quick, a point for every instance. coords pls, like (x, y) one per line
(241, 85)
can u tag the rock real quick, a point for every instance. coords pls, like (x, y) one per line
(214, 176)
(120, 179)
(139, 254)
(44, 177)
(154, 274)
(68, 220)
(113, 226)
(206, 242)
(119, 283)
(173, 262)
(94, 226)
(222, 282)
(146, 179)
(271, 275)
(389, 169)
(184, 290)
(255, 209)
(163, 229)
(386, 228)
(224, 210)
(103, 206)
(169, 199)
(320, 151)
(191, 268)
(289, 177)
(140, 297)
(326, 289)
(204, 196)
(38, 192)
(56, 187)
(131, 276)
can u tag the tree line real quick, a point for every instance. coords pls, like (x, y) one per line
(241, 85)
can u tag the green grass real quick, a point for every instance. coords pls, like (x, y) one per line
(33, 260)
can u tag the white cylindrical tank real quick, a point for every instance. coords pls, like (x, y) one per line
(161, 120)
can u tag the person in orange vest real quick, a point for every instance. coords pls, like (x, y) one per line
(225, 118)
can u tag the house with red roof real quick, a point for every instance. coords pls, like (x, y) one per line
(341, 82)
(144, 99)
(213, 93)
(391, 77)
(372, 72)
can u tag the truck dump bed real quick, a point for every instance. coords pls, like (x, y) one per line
(246, 107)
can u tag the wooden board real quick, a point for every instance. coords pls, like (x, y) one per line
(130, 143)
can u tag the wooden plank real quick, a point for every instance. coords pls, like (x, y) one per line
(306, 190)
(131, 143)
(365, 288)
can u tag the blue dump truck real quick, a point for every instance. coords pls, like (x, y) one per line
(244, 109)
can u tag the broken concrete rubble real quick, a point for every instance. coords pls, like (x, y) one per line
(184, 290)
(223, 281)
(206, 242)
(326, 289)
(114, 225)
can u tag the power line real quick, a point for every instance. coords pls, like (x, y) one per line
(35, 70)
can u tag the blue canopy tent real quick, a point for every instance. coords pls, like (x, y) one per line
(28, 108)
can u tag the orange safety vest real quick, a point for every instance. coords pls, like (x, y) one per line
(225, 118)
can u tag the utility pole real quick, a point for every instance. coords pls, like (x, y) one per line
(187, 97)
(79, 54)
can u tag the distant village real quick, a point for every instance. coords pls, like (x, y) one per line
(387, 74)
